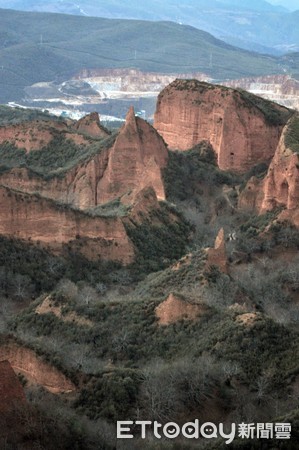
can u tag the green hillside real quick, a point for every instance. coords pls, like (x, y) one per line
(255, 25)
(42, 47)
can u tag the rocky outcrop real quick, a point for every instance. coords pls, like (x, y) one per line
(91, 126)
(243, 130)
(251, 197)
(25, 361)
(77, 186)
(281, 185)
(37, 134)
(132, 160)
(49, 305)
(37, 219)
(31, 135)
(217, 256)
(175, 308)
(135, 161)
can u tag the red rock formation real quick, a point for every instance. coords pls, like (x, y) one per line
(37, 134)
(251, 197)
(91, 126)
(32, 217)
(25, 361)
(135, 161)
(140, 202)
(174, 309)
(76, 187)
(30, 135)
(217, 256)
(189, 111)
(281, 185)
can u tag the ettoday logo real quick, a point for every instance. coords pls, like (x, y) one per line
(171, 430)
(207, 430)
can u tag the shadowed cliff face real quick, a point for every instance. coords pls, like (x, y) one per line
(25, 361)
(11, 390)
(280, 187)
(242, 129)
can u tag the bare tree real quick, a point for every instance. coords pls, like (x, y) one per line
(21, 287)
(67, 289)
(87, 295)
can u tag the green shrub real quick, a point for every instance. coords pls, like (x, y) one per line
(292, 135)
(111, 395)
(187, 172)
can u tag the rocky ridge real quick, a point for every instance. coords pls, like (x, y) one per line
(280, 187)
(242, 129)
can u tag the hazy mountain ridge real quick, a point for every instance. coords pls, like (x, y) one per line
(256, 25)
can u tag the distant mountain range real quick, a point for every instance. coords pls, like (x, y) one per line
(38, 47)
(251, 24)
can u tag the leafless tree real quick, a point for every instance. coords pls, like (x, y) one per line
(87, 295)
(67, 289)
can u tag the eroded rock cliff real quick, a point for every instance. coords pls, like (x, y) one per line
(32, 217)
(132, 159)
(91, 126)
(243, 129)
(135, 161)
(280, 187)
(24, 360)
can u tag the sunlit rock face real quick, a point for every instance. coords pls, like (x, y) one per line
(240, 132)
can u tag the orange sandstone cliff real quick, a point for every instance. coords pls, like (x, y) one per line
(31, 217)
(217, 256)
(25, 361)
(133, 159)
(243, 129)
(280, 187)
(91, 126)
